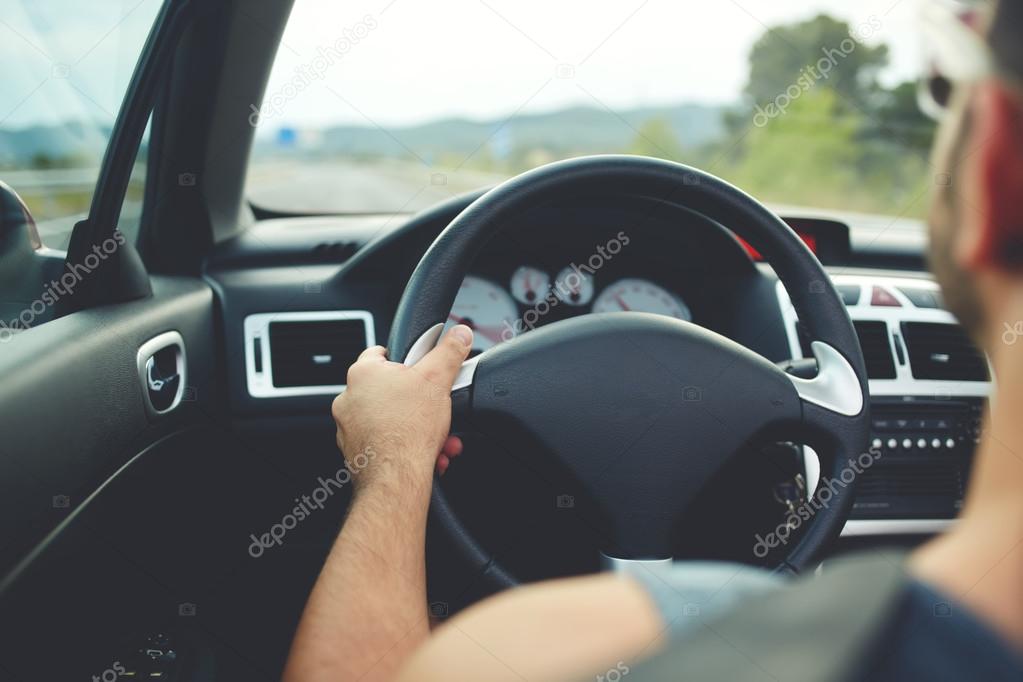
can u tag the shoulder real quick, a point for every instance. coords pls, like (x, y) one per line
(819, 627)
(933, 636)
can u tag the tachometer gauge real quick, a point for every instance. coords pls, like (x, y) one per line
(485, 308)
(642, 296)
(573, 287)
(529, 285)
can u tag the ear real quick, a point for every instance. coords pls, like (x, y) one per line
(992, 236)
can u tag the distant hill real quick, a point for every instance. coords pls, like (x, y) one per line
(73, 140)
(562, 132)
(572, 130)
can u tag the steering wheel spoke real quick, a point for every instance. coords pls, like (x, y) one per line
(461, 389)
(831, 402)
(461, 394)
(836, 386)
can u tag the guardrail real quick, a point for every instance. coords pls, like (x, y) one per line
(50, 178)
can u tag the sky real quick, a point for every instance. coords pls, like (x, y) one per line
(68, 59)
(399, 62)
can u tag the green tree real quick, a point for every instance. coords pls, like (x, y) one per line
(816, 128)
(821, 50)
(807, 154)
(816, 154)
(42, 161)
(898, 117)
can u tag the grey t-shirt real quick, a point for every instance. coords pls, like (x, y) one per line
(688, 594)
(917, 633)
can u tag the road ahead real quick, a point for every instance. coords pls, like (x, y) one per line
(286, 186)
(341, 187)
(391, 187)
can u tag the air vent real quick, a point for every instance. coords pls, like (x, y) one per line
(850, 293)
(334, 252)
(314, 353)
(943, 352)
(877, 349)
(290, 354)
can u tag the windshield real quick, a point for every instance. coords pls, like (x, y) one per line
(394, 105)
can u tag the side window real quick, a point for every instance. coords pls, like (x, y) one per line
(67, 66)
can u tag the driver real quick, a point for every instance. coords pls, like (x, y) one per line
(952, 609)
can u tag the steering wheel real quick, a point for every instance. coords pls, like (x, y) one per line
(568, 387)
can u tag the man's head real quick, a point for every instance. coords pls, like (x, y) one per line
(976, 219)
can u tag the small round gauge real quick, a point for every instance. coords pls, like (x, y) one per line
(529, 285)
(573, 287)
(642, 296)
(485, 308)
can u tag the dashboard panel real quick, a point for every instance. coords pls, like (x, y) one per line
(590, 256)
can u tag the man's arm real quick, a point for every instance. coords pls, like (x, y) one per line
(368, 609)
(367, 617)
(596, 627)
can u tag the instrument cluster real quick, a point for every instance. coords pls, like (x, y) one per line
(499, 312)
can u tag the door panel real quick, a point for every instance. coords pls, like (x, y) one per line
(163, 548)
(161, 509)
(71, 404)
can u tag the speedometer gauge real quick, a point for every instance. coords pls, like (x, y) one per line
(574, 287)
(641, 295)
(528, 284)
(485, 308)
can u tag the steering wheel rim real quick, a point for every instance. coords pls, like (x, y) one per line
(833, 405)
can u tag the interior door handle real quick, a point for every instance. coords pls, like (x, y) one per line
(156, 382)
(162, 367)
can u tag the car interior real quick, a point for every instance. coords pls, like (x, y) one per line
(172, 406)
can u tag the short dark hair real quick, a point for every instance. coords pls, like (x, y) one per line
(1005, 36)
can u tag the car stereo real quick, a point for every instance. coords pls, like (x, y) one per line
(926, 446)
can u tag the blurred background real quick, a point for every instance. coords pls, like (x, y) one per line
(390, 106)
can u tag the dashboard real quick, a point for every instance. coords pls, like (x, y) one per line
(345, 277)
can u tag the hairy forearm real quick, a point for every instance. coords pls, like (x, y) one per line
(367, 612)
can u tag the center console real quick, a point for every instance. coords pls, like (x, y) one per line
(928, 385)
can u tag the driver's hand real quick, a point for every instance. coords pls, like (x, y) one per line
(393, 420)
